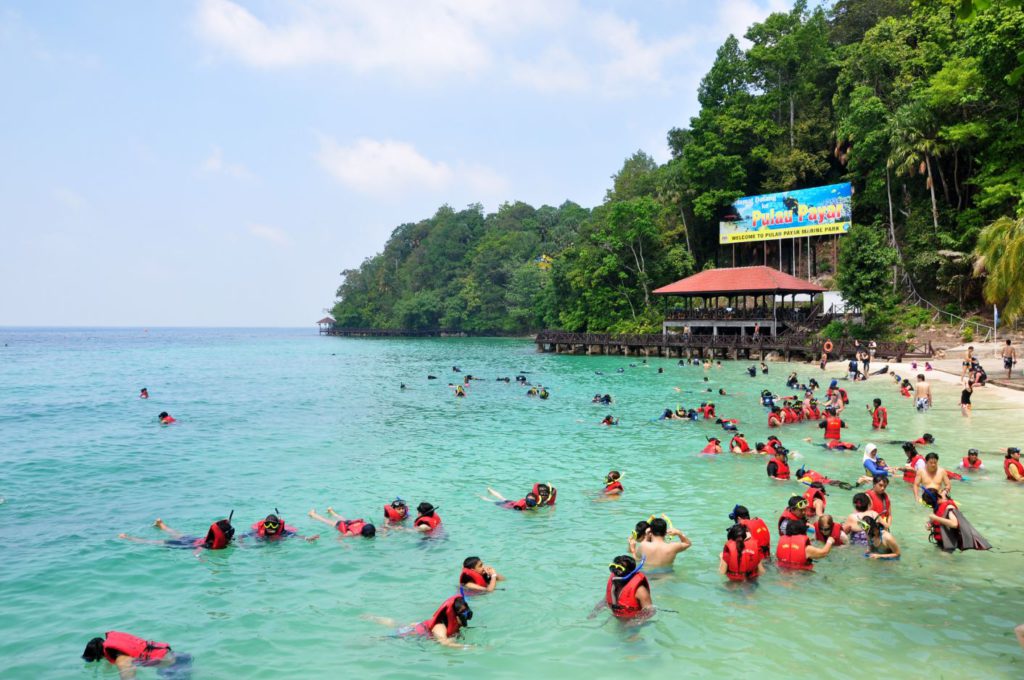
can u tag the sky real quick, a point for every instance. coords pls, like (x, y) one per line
(220, 162)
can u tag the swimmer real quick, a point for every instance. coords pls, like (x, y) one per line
(528, 503)
(460, 391)
(627, 594)
(833, 444)
(764, 368)
(881, 544)
(971, 462)
(826, 528)
(879, 415)
(721, 392)
(402, 386)
(395, 512)
(728, 424)
(352, 527)
(880, 501)
(756, 527)
(427, 519)
(965, 399)
(166, 418)
(795, 551)
(796, 511)
(738, 444)
(218, 536)
(741, 558)
(861, 509)
(658, 552)
(1012, 466)
(924, 394)
(273, 528)
(612, 485)
(714, 445)
(778, 467)
(608, 420)
(125, 652)
(478, 577)
(832, 424)
(932, 477)
(752, 371)
(444, 626)
(817, 499)
(143, 393)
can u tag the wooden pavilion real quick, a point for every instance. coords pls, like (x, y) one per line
(325, 324)
(738, 301)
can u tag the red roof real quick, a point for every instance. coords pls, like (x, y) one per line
(737, 280)
(326, 319)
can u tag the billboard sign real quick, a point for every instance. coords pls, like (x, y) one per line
(817, 211)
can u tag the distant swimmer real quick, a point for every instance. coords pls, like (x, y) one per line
(431, 377)
(627, 594)
(609, 420)
(728, 424)
(795, 551)
(351, 527)
(659, 552)
(477, 577)
(143, 393)
(218, 536)
(273, 528)
(444, 626)
(402, 386)
(127, 651)
(395, 512)
(460, 391)
(602, 399)
(528, 503)
(833, 444)
(752, 371)
(166, 418)
(612, 484)
(456, 369)
(543, 393)
(741, 559)
(427, 519)
(764, 368)
(1012, 466)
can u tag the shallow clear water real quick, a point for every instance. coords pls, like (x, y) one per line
(291, 420)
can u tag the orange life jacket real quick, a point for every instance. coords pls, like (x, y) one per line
(792, 553)
(741, 566)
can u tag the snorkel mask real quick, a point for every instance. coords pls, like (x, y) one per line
(272, 525)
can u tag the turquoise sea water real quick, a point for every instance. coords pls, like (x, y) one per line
(291, 420)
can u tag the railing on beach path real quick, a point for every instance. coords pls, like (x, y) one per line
(787, 344)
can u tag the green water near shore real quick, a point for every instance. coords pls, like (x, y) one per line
(285, 419)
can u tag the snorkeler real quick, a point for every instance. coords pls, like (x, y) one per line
(427, 519)
(741, 559)
(971, 462)
(273, 528)
(351, 527)
(714, 445)
(757, 528)
(444, 626)
(738, 444)
(658, 551)
(816, 499)
(612, 484)
(166, 418)
(477, 576)
(861, 509)
(777, 467)
(609, 420)
(143, 393)
(127, 651)
(826, 528)
(627, 594)
(796, 511)
(527, 503)
(218, 536)
(395, 512)
(545, 493)
(795, 551)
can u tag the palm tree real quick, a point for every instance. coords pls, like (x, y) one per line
(1000, 254)
(913, 148)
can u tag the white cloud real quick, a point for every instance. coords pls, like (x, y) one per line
(383, 167)
(216, 165)
(736, 16)
(556, 70)
(270, 234)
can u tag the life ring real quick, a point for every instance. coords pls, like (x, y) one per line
(828, 346)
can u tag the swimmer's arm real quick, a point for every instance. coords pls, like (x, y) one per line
(632, 547)
(125, 666)
(597, 609)
(479, 588)
(684, 542)
(816, 553)
(917, 485)
(950, 522)
(440, 633)
(722, 566)
(643, 596)
(944, 482)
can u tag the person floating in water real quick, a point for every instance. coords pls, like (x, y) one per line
(444, 626)
(396, 512)
(477, 577)
(166, 418)
(460, 391)
(427, 519)
(528, 503)
(609, 420)
(143, 393)
(545, 493)
(658, 551)
(627, 594)
(126, 652)
(218, 536)
(351, 527)
(612, 484)
(273, 528)
(713, 446)
(741, 558)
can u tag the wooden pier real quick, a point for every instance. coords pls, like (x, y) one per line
(805, 347)
(387, 333)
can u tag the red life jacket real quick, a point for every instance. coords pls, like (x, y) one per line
(782, 470)
(482, 580)
(394, 514)
(883, 506)
(787, 514)
(966, 464)
(793, 414)
(740, 442)
(516, 505)
(710, 448)
(834, 444)
(351, 527)
(842, 393)
(759, 530)
(168, 420)
(813, 493)
(880, 418)
(741, 566)
(216, 538)
(792, 553)
(627, 605)
(433, 521)
(911, 474)
(551, 498)
(904, 391)
(118, 644)
(774, 419)
(1007, 462)
(708, 411)
(774, 444)
(613, 487)
(944, 507)
(836, 533)
(262, 532)
(814, 413)
(920, 441)
(833, 426)
(814, 477)
(452, 624)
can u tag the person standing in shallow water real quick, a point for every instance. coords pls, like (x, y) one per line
(1009, 358)
(658, 552)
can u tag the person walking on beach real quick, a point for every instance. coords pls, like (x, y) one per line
(1009, 358)
(924, 393)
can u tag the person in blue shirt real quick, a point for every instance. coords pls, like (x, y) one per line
(873, 465)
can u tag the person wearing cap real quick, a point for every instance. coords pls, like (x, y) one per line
(1012, 466)
(932, 477)
(972, 462)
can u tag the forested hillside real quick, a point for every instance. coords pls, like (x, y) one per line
(917, 106)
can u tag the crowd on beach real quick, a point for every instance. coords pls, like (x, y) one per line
(809, 527)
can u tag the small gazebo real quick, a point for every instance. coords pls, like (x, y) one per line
(733, 301)
(325, 324)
